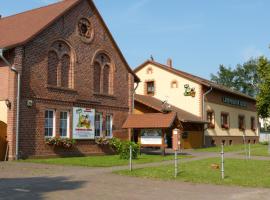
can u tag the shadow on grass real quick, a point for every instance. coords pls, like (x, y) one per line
(35, 188)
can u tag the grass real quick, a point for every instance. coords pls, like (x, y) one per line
(251, 173)
(232, 148)
(262, 150)
(102, 161)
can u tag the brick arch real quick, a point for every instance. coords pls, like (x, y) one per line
(61, 60)
(106, 76)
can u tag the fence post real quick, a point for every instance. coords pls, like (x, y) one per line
(222, 160)
(130, 158)
(175, 164)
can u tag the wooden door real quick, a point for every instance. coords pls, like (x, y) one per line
(3, 141)
(194, 140)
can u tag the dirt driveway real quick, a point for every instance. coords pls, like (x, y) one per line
(36, 181)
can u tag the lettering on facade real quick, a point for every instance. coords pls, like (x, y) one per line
(234, 102)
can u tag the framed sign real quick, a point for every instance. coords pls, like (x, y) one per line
(83, 123)
(151, 136)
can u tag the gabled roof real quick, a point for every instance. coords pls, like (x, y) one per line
(18, 29)
(194, 78)
(21, 28)
(150, 120)
(156, 104)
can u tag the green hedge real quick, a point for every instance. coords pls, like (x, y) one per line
(123, 148)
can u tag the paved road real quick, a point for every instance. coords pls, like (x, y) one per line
(37, 181)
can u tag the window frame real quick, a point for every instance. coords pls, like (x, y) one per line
(225, 126)
(68, 124)
(100, 114)
(241, 127)
(152, 92)
(253, 125)
(111, 125)
(54, 123)
(211, 124)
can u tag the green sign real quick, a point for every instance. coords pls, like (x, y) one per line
(234, 102)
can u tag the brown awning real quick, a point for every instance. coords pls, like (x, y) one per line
(150, 120)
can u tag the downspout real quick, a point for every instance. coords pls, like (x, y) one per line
(12, 68)
(203, 115)
(133, 103)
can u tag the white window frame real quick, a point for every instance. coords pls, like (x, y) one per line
(68, 123)
(111, 124)
(54, 122)
(100, 123)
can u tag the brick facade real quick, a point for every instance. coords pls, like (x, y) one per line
(32, 61)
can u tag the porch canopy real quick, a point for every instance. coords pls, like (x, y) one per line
(150, 120)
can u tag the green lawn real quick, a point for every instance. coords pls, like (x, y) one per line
(102, 161)
(232, 148)
(262, 150)
(249, 173)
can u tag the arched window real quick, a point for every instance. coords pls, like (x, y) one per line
(174, 84)
(60, 65)
(149, 70)
(97, 73)
(103, 76)
(52, 68)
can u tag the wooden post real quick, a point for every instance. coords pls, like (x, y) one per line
(163, 143)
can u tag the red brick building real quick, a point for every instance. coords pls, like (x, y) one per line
(67, 59)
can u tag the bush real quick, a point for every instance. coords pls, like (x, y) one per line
(60, 142)
(264, 143)
(122, 148)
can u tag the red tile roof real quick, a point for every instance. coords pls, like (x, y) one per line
(20, 28)
(150, 120)
(194, 78)
(156, 104)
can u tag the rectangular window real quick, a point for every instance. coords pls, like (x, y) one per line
(49, 123)
(98, 124)
(150, 87)
(241, 122)
(225, 120)
(210, 119)
(64, 124)
(252, 123)
(108, 125)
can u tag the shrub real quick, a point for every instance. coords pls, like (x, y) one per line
(122, 148)
(264, 143)
(66, 143)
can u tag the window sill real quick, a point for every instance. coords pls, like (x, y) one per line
(105, 95)
(52, 87)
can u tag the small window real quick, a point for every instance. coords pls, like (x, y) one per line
(213, 143)
(252, 123)
(174, 84)
(225, 121)
(98, 124)
(109, 122)
(241, 122)
(63, 128)
(149, 70)
(223, 142)
(150, 87)
(49, 123)
(230, 142)
(210, 119)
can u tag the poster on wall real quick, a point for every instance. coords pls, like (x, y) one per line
(151, 136)
(83, 123)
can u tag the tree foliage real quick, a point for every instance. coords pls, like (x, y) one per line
(244, 78)
(263, 97)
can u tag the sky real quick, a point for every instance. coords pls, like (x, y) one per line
(198, 35)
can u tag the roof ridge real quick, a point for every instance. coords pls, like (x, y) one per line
(35, 9)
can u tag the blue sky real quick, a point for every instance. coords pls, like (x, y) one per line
(197, 35)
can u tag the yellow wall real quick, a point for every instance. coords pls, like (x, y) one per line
(234, 112)
(164, 91)
(3, 111)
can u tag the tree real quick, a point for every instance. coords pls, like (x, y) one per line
(244, 78)
(263, 98)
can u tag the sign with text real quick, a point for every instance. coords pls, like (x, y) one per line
(83, 123)
(151, 136)
(234, 102)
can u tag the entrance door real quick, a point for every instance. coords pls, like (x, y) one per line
(3, 140)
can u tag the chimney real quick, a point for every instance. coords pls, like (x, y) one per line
(169, 63)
